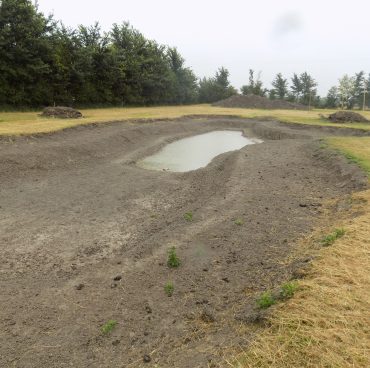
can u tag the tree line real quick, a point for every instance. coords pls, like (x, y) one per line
(43, 63)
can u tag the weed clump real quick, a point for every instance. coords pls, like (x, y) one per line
(173, 260)
(188, 216)
(331, 238)
(108, 327)
(265, 300)
(239, 222)
(288, 289)
(169, 288)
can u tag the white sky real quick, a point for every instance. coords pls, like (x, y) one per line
(326, 38)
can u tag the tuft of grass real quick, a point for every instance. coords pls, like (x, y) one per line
(173, 260)
(266, 300)
(239, 222)
(169, 288)
(331, 238)
(188, 216)
(288, 289)
(108, 327)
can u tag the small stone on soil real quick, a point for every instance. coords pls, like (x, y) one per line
(79, 286)
(148, 309)
(147, 358)
(118, 278)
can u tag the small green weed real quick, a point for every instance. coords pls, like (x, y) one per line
(188, 216)
(173, 260)
(108, 327)
(288, 289)
(239, 222)
(331, 238)
(169, 288)
(266, 300)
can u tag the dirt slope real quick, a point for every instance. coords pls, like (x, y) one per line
(76, 213)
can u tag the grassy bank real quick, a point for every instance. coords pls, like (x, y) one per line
(355, 149)
(17, 123)
(326, 324)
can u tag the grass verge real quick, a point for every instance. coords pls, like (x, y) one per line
(355, 149)
(326, 322)
(26, 123)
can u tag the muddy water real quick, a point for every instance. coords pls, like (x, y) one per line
(195, 152)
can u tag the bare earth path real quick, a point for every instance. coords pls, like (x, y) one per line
(75, 212)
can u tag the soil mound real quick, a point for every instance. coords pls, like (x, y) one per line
(258, 102)
(61, 112)
(347, 117)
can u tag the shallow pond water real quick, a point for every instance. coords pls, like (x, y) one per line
(195, 152)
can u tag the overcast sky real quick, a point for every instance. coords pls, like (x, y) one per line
(326, 38)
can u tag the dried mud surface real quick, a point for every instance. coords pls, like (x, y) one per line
(84, 235)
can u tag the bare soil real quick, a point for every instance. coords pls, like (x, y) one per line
(258, 102)
(85, 234)
(347, 117)
(61, 112)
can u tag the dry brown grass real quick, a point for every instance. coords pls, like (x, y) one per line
(23, 123)
(327, 323)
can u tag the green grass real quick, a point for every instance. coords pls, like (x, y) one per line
(108, 327)
(266, 300)
(331, 238)
(355, 149)
(173, 260)
(188, 216)
(239, 222)
(288, 289)
(169, 288)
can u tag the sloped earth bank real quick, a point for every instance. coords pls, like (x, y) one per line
(76, 213)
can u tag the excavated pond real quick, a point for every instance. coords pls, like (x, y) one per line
(195, 152)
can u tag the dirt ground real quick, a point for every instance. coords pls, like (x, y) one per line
(84, 236)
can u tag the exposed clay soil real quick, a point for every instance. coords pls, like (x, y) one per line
(258, 102)
(85, 233)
